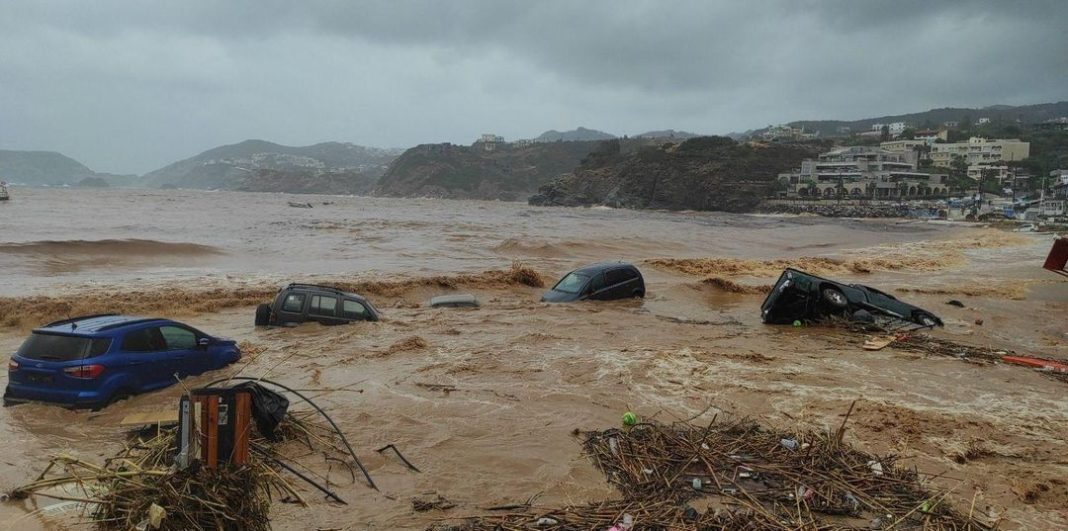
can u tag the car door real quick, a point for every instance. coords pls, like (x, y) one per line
(596, 288)
(354, 310)
(291, 307)
(616, 281)
(323, 308)
(182, 352)
(146, 358)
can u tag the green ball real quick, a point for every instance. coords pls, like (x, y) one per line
(797, 323)
(629, 419)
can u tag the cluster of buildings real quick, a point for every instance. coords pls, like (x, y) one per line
(983, 157)
(863, 172)
(785, 133)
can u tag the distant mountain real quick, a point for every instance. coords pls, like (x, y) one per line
(502, 171)
(231, 167)
(669, 134)
(577, 135)
(1026, 114)
(41, 167)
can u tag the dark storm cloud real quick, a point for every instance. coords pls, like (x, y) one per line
(132, 85)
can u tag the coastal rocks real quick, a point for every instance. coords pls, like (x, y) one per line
(833, 210)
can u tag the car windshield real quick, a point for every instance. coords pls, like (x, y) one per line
(572, 283)
(55, 347)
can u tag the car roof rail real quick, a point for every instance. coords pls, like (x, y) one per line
(318, 286)
(79, 318)
(128, 323)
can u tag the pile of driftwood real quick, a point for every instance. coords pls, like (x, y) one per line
(141, 488)
(751, 477)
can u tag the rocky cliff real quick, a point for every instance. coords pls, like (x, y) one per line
(704, 173)
(502, 171)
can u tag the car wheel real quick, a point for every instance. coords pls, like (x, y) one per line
(639, 294)
(834, 298)
(926, 319)
(263, 315)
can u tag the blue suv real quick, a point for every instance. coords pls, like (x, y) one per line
(94, 360)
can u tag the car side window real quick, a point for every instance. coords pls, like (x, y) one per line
(597, 282)
(294, 303)
(178, 338)
(615, 276)
(353, 310)
(322, 305)
(144, 340)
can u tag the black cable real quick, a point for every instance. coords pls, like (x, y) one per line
(317, 408)
(310, 481)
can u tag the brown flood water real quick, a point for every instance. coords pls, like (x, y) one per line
(486, 402)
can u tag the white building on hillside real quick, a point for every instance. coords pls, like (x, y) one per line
(979, 150)
(863, 172)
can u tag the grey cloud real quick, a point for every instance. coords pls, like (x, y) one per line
(164, 80)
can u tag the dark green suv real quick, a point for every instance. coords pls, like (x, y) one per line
(799, 296)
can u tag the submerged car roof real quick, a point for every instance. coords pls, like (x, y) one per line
(601, 266)
(320, 287)
(94, 324)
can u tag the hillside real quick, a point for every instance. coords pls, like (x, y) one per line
(229, 167)
(705, 173)
(347, 182)
(576, 135)
(41, 167)
(507, 172)
(669, 134)
(1026, 114)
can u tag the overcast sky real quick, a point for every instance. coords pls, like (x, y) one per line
(129, 86)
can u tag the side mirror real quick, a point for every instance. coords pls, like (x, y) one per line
(203, 343)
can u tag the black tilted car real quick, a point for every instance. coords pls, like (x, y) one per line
(799, 296)
(299, 303)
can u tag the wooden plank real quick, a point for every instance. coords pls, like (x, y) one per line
(211, 432)
(878, 343)
(243, 403)
(153, 417)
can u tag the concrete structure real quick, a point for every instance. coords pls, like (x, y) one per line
(902, 146)
(979, 150)
(863, 172)
(490, 141)
(1000, 172)
(983, 121)
(897, 128)
(931, 136)
(524, 142)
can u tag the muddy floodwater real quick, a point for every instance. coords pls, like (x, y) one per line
(484, 401)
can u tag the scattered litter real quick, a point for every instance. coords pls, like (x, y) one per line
(435, 502)
(879, 343)
(788, 443)
(829, 481)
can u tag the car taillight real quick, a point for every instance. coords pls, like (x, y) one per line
(84, 371)
(12, 365)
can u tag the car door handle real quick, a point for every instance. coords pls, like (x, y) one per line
(132, 363)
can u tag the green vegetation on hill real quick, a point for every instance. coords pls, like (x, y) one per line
(934, 118)
(499, 171)
(704, 173)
